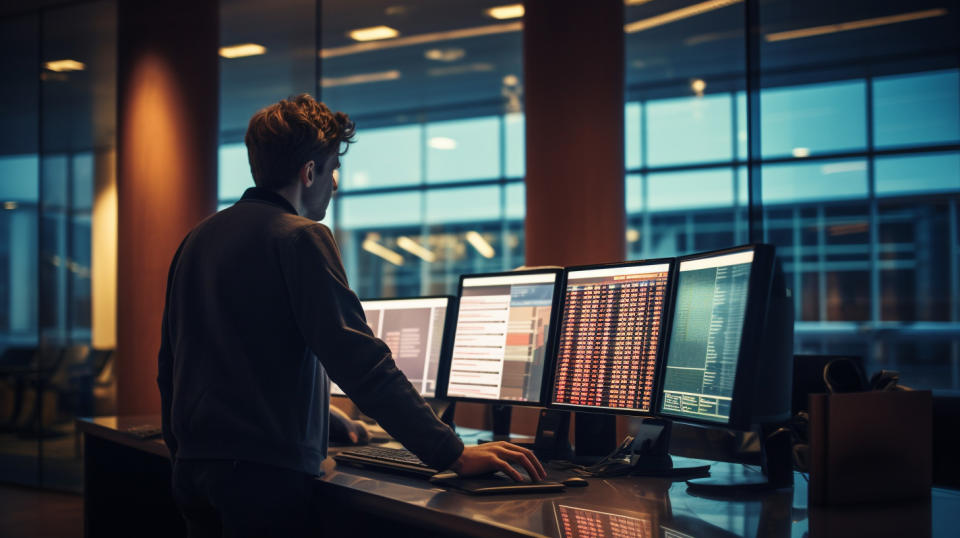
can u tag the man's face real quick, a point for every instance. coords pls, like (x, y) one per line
(316, 198)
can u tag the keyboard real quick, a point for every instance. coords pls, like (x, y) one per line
(397, 460)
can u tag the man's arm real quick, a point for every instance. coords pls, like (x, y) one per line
(333, 325)
(165, 365)
(332, 322)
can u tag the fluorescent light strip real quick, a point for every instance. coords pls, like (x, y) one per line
(420, 39)
(677, 14)
(505, 28)
(364, 78)
(377, 249)
(480, 244)
(61, 66)
(478, 67)
(416, 249)
(242, 50)
(854, 25)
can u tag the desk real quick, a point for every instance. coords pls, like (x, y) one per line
(378, 503)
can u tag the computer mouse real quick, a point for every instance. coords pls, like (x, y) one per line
(575, 482)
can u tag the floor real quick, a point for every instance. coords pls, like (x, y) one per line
(27, 512)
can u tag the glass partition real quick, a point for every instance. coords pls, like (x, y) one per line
(433, 187)
(857, 177)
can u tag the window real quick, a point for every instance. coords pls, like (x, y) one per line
(859, 167)
(433, 187)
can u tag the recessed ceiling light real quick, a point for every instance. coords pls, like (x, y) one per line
(61, 66)
(241, 50)
(444, 55)
(512, 11)
(442, 142)
(373, 33)
(510, 80)
(698, 85)
(800, 153)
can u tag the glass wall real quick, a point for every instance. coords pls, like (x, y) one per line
(845, 155)
(433, 187)
(858, 154)
(19, 190)
(59, 100)
(268, 52)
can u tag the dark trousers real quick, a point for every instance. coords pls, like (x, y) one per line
(238, 498)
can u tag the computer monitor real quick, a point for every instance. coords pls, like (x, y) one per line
(417, 331)
(610, 337)
(729, 353)
(504, 329)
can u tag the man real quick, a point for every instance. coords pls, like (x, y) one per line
(257, 311)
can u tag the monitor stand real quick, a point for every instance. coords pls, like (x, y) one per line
(594, 436)
(553, 436)
(553, 432)
(500, 421)
(776, 465)
(648, 454)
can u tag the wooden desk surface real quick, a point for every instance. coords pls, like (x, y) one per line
(638, 506)
(112, 428)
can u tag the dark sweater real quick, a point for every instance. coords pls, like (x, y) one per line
(258, 310)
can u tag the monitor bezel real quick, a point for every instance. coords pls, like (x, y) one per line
(761, 281)
(666, 315)
(446, 343)
(551, 337)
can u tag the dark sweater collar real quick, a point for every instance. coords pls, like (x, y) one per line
(266, 195)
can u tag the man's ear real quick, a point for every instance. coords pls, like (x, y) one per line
(307, 172)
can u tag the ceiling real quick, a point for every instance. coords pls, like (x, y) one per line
(441, 75)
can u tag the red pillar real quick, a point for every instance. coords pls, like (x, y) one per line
(167, 168)
(573, 64)
(573, 92)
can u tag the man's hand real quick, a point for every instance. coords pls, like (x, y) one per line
(341, 425)
(497, 456)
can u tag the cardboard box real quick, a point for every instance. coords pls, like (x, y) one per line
(870, 446)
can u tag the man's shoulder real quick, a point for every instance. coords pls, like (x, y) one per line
(270, 217)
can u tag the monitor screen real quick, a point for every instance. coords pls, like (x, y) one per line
(413, 330)
(501, 340)
(705, 340)
(609, 336)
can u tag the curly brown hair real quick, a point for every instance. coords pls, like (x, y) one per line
(285, 135)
